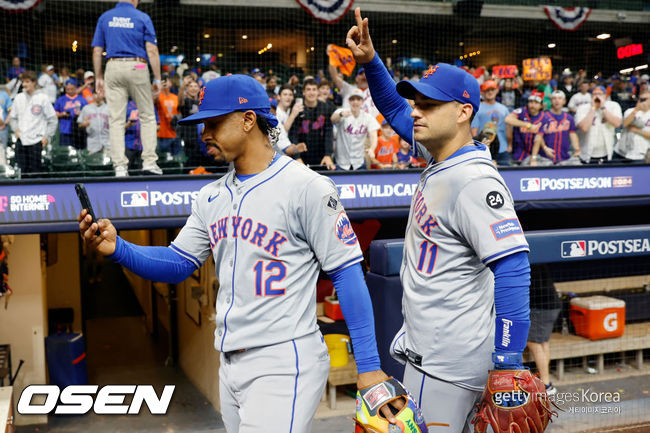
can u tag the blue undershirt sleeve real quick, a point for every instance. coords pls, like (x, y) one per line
(389, 103)
(161, 264)
(512, 304)
(356, 306)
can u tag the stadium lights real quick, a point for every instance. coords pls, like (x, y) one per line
(312, 48)
(173, 48)
(269, 46)
(638, 68)
(198, 59)
(206, 35)
(626, 71)
(603, 36)
(74, 46)
(552, 45)
(394, 41)
(244, 36)
(220, 55)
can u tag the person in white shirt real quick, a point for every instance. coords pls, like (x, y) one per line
(347, 89)
(581, 98)
(596, 127)
(286, 114)
(48, 84)
(94, 117)
(283, 144)
(34, 122)
(635, 138)
(353, 126)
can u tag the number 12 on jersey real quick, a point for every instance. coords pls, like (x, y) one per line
(429, 250)
(265, 276)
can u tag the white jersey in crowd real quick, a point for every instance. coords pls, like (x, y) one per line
(97, 131)
(282, 115)
(461, 219)
(632, 145)
(283, 139)
(351, 134)
(48, 86)
(598, 142)
(209, 76)
(368, 106)
(579, 100)
(269, 236)
(34, 116)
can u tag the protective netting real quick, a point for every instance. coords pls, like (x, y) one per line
(541, 48)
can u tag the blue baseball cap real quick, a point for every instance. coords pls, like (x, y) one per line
(231, 93)
(361, 71)
(444, 82)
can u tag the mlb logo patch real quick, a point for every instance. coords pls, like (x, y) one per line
(530, 184)
(134, 199)
(574, 249)
(347, 191)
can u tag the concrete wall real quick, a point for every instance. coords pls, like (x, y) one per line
(63, 278)
(24, 323)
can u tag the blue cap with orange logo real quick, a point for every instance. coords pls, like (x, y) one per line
(444, 82)
(231, 93)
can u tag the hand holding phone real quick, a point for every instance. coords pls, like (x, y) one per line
(80, 188)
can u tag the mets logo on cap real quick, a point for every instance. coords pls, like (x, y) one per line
(201, 95)
(344, 230)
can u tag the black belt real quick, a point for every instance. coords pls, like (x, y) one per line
(127, 59)
(233, 352)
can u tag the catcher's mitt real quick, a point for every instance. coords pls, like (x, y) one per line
(371, 399)
(513, 401)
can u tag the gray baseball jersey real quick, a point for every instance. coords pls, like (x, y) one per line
(269, 236)
(462, 218)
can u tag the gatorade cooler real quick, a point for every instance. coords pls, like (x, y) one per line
(338, 346)
(333, 308)
(598, 317)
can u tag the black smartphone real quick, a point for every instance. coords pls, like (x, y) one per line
(80, 188)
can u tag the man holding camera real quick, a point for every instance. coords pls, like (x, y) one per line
(597, 123)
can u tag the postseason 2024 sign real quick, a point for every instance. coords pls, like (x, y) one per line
(159, 202)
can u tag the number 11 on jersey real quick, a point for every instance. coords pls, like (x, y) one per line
(263, 283)
(430, 250)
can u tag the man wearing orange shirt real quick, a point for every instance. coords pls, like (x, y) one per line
(167, 106)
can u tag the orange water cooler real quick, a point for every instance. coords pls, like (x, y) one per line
(598, 317)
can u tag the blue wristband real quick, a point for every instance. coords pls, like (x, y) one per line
(507, 360)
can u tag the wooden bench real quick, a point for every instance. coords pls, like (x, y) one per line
(602, 284)
(345, 375)
(636, 337)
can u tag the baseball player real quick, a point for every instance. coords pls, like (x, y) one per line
(270, 224)
(465, 267)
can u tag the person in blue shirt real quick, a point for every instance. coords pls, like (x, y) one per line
(15, 70)
(491, 111)
(132, 136)
(128, 37)
(5, 105)
(67, 107)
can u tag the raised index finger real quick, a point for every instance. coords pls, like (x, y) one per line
(357, 16)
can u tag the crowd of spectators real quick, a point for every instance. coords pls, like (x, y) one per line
(330, 123)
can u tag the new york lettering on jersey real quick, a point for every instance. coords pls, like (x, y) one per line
(256, 233)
